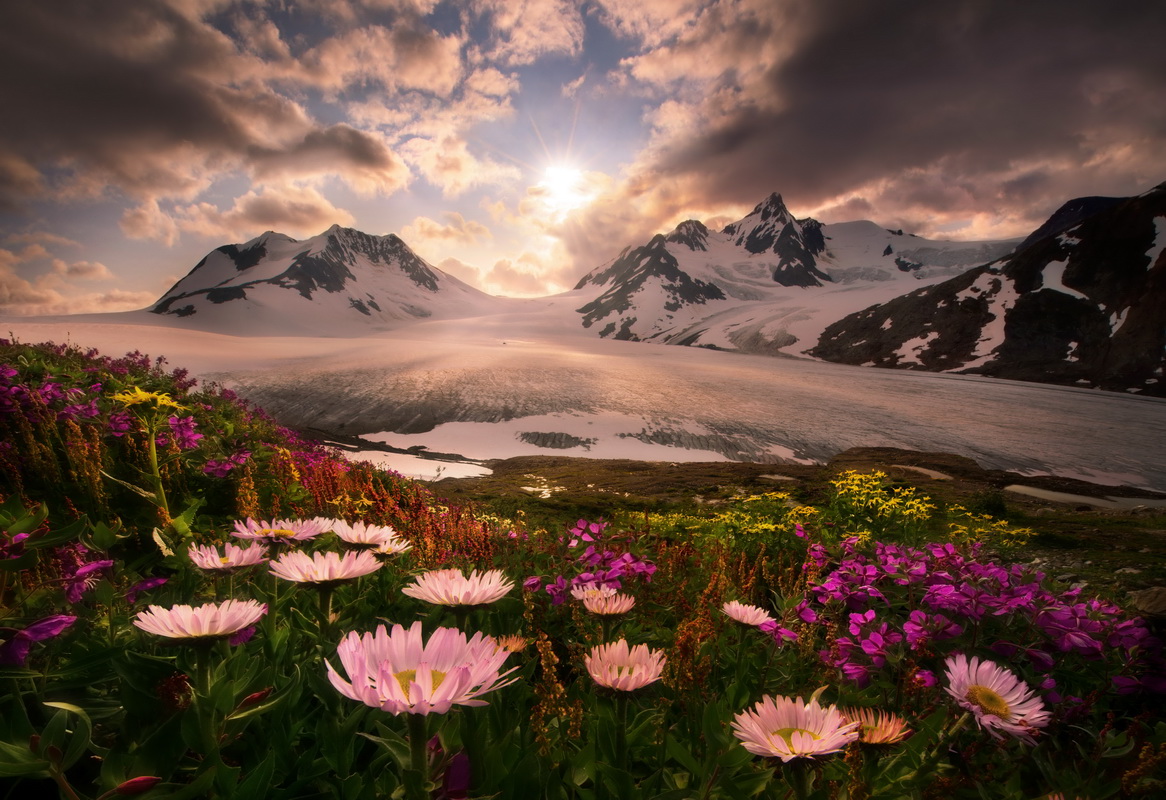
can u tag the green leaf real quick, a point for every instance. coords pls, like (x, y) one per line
(583, 764)
(17, 759)
(394, 744)
(183, 522)
(61, 535)
(619, 781)
(681, 755)
(16, 518)
(104, 537)
(78, 737)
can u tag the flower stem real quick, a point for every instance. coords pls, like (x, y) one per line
(418, 758)
(621, 731)
(944, 737)
(159, 490)
(461, 615)
(799, 778)
(204, 705)
(326, 613)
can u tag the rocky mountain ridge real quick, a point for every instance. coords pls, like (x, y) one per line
(1080, 302)
(768, 283)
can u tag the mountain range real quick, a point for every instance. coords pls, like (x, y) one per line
(1080, 301)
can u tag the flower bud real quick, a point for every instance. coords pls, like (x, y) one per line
(254, 698)
(137, 785)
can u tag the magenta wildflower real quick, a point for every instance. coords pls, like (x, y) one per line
(143, 586)
(220, 469)
(83, 579)
(183, 433)
(779, 633)
(120, 423)
(17, 643)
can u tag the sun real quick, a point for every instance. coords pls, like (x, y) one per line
(564, 188)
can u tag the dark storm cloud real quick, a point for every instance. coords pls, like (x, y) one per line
(140, 97)
(952, 91)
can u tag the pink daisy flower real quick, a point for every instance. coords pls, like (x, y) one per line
(1000, 700)
(279, 530)
(609, 604)
(878, 727)
(618, 666)
(324, 569)
(400, 673)
(233, 557)
(382, 538)
(778, 727)
(209, 621)
(449, 587)
(746, 614)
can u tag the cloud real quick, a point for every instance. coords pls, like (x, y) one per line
(148, 221)
(52, 291)
(447, 163)
(89, 270)
(292, 209)
(915, 104)
(525, 30)
(406, 56)
(154, 104)
(461, 270)
(524, 277)
(41, 238)
(651, 22)
(456, 229)
(361, 159)
(129, 95)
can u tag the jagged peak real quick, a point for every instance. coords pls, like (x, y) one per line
(770, 210)
(691, 233)
(774, 202)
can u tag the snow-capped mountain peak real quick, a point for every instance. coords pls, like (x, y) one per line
(321, 285)
(765, 282)
(690, 233)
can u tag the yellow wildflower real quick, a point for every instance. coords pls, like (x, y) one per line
(137, 396)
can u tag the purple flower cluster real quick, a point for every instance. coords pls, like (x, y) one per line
(220, 469)
(182, 432)
(599, 564)
(945, 593)
(120, 423)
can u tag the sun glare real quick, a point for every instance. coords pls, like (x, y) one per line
(564, 189)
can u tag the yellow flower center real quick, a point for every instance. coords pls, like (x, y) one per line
(788, 734)
(407, 676)
(275, 532)
(989, 701)
(224, 560)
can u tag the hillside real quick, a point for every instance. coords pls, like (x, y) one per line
(1080, 302)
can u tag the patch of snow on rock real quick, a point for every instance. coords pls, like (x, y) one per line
(1053, 278)
(1159, 242)
(911, 349)
(1002, 296)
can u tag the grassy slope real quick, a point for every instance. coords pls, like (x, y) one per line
(1076, 543)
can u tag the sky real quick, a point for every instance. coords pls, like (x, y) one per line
(519, 144)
